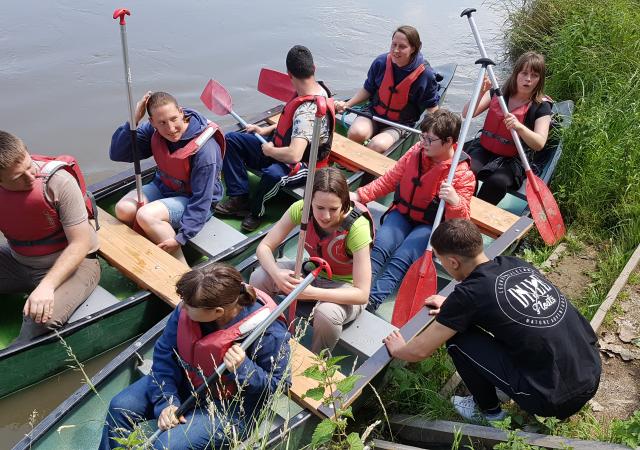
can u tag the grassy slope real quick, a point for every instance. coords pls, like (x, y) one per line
(593, 58)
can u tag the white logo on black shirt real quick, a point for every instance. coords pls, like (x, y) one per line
(529, 299)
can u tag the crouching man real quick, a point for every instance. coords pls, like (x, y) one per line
(505, 326)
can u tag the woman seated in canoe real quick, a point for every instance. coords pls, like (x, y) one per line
(419, 182)
(494, 158)
(341, 233)
(202, 333)
(400, 85)
(188, 150)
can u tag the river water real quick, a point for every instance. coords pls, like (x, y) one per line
(62, 84)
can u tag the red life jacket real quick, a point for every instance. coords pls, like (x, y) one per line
(282, 134)
(175, 168)
(392, 100)
(332, 247)
(495, 137)
(38, 231)
(201, 355)
(417, 192)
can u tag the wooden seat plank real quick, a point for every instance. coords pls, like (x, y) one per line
(301, 360)
(139, 259)
(491, 220)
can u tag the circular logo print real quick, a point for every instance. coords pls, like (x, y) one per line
(528, 298)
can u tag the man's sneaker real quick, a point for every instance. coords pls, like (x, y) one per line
(467, 408)
(250, 223)
(372, 307)
(237, 206)
(502, 396)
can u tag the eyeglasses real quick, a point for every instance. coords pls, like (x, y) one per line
(428, 139)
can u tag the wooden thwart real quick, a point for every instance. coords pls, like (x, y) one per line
(302, 359)
(139, 259)
(491, 220)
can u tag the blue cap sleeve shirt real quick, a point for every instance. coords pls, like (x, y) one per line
(206, 164)
(541, 331)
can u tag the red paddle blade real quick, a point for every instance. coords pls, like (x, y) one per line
(216, 98)
(420, 282)
(276, 85)
(544, 210)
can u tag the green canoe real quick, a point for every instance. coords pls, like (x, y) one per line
(118, 310)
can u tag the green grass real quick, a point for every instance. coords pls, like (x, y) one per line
(593, 58)
(416, 388)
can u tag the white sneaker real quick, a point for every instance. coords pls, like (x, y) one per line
(502, 396)
(467, 408)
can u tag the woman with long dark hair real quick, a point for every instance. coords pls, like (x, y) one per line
(341, 233)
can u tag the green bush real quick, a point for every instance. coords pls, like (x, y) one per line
(593, 58)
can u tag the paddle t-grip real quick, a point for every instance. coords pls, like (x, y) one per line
(319, 265)
(485, 62)
(321, 106)
(467, 12)
(121, 13)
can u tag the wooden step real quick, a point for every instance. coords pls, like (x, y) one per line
(301, 360)
(139, 259)
(416, 430)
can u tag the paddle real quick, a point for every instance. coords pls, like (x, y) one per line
(133, 127)
(421, 280)
(381, 120)
(218, 100)
(544, 209)
(321, 111)
(255, 334)
(276, 85)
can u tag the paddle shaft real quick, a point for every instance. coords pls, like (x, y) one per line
(486, 64)
(255, 334)
(308, 188)
(321, 109)
(381, 120)
(133, 126)
(420, 280)
(496, 87)
(243, 122)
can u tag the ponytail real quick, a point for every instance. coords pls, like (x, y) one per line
(217, 285)
(247, 295)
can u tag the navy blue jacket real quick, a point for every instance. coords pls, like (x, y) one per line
(424, 92)
(259, 374)
(206, 164)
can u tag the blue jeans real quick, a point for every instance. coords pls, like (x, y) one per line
(175, 203)
(399, 243)
(201, 431)
(245, 150)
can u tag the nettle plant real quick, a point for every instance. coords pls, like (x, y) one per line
(331, 433)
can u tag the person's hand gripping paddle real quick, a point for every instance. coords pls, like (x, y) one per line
(421, 280)
(257, 332)
(544, 208)
(121, 13)
(218, 100)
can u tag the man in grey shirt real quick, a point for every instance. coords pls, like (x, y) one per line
(283, 160)
(50, 253)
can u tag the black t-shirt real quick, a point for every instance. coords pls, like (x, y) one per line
(546, 337)
(535, 111)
